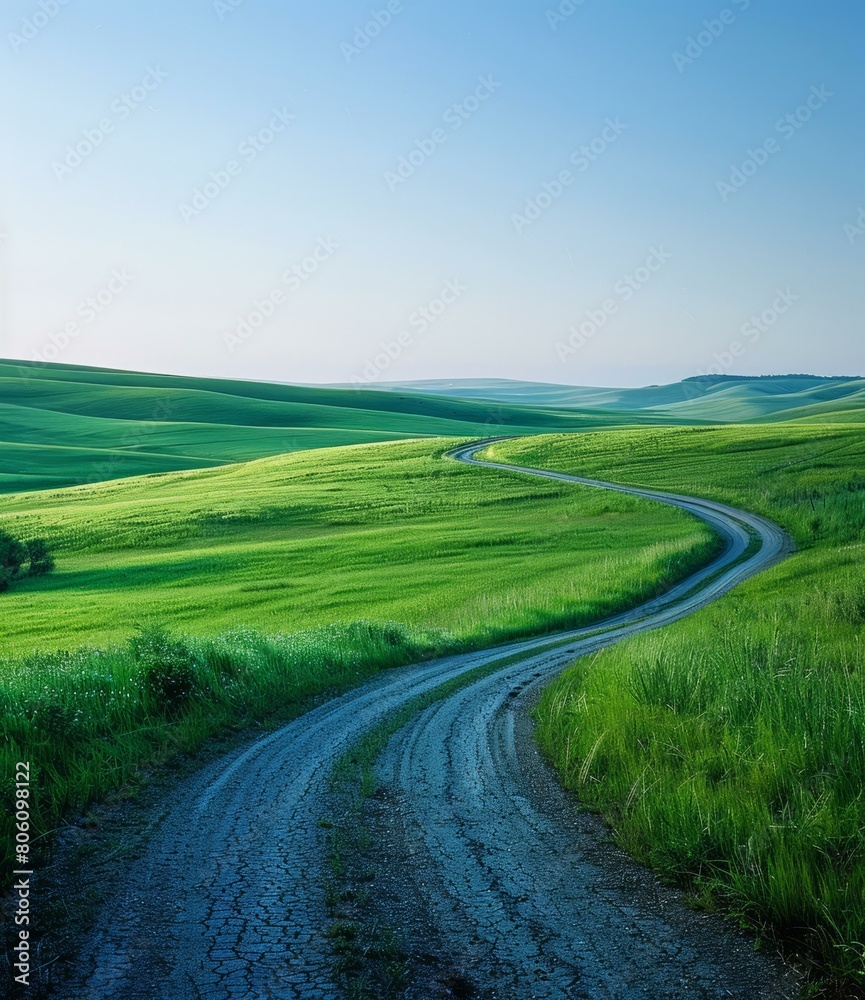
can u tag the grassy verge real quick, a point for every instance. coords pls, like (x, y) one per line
(729, 749)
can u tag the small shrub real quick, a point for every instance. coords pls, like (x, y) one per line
(39, 557)
(15, 555)
(57, 721)
(168, 668)
(12, 555)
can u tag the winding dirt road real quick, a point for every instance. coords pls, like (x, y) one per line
(486, 855)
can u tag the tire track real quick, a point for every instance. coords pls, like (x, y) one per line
(228, 900)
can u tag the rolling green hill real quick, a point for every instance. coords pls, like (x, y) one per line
(63, 425)
(710, 398)
(384, 532)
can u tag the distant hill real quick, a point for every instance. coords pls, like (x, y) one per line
(711, 398)
(64, 424)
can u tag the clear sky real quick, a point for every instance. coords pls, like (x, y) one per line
(537, 190)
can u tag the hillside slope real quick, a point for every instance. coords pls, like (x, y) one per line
(710, 398)
(63, 425)
(385, 532)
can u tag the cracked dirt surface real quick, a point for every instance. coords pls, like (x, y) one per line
(527, 895)
(227, 900)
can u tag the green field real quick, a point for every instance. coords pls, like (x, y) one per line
(62, 425)
(380, 532)
(729, 749)
(263, 572)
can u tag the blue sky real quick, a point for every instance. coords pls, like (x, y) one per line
(351, 161)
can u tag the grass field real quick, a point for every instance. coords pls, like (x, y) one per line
(381, 532)
(729, 749)
(262, 571)
(62, 425)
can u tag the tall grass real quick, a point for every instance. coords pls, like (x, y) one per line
(616, 581)
(729, 750)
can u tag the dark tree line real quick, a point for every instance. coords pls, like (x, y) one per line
(19, 559)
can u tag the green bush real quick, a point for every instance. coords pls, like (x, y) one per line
(168, 669)
(40, 559)
(12, 555)
(19, 559)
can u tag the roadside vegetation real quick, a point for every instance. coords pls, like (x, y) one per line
(248, 583)
(728, 750)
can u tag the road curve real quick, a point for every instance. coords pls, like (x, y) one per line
(227, 900)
